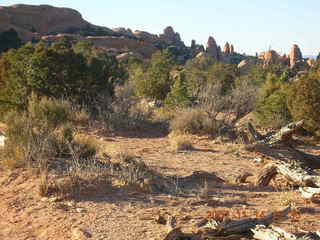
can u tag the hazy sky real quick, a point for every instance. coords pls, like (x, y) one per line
(251, 25)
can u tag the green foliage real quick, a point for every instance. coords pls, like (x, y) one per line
(59, 71)
(304, 101)
(271, 108)
(156, 81)
(9, 39)
(178, 96)
(43, 134)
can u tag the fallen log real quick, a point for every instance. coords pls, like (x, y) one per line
(296, 166)
(310, 193)
(262, 232)
(242, 226)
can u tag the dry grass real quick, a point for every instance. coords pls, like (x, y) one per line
(180, 142)
(81, 117)
(288, 198)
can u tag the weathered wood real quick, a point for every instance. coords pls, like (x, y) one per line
(296, 166)
(266, 175)
(242, 178)
(310, 193)
(234, 227)
(177, 234)
(262, 232)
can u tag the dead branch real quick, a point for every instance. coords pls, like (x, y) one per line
(296, 166)
(235, 227)
(275, 233)
(310, 193)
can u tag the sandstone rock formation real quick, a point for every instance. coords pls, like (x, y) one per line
(227, 48)
(30, 21)
(144, 35)
(127, 55)
(117, 45)
(171, 37)
(270, 57)
(123, 31)
(231, 49)
(311, 62)
(295, 55)
(212, 49)
(245, 65)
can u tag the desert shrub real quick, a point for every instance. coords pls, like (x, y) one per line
(48, 111)
(271, 108)
(81, 116)
(180, 142)
(125, 111)
(304, 101)
(131, 170)
(42, 135)
(178, 95)
(9, 39)
(193, 121)
(84, 147)
(57, 71)
(154, 82)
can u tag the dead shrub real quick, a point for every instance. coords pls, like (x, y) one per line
(124, 111)
(194, 121)
(180, 142)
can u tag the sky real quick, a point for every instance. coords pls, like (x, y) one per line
(250, 25)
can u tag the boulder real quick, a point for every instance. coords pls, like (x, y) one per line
(227, 49)
(144, 35)
(123, 31)
(212, 49)
(30, 21)
(295, 55)
(245, 64)
(127, 55)
(270, 57)
(171, 37)
(231, 49)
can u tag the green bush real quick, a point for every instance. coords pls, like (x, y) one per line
(304, 101)
(81, 73)
(42, 135)
(178, 95)
(271, 108)
(9, 39)
(156, 81)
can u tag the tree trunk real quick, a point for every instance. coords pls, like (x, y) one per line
(296, 166)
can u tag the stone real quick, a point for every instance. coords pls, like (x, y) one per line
(144, 35)
(212, 48)
(245, 65)
(270, 57)
(79, 234)
(30, 21)
(226, 48)
(231, 49)
(295, 55)
(311, 62)
(193, 44)
(123, 31)
(171, 37)
(2, 139)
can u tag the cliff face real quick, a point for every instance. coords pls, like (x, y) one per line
(50, 23)
(31, 21)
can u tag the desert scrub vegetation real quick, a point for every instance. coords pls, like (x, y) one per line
(43, 134)
(180, 142)
(61, 70)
